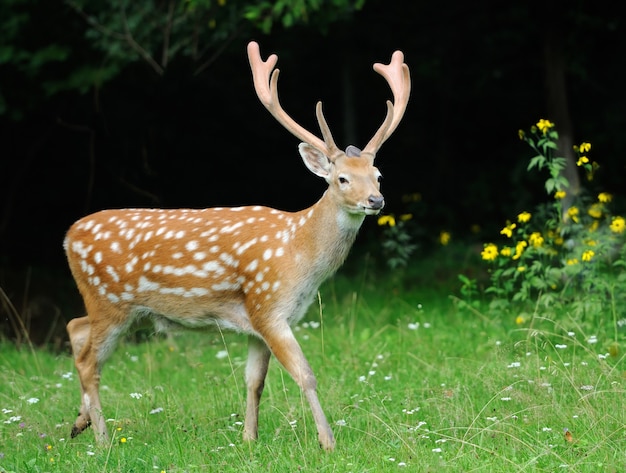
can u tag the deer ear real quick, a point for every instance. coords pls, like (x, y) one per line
(317, 162)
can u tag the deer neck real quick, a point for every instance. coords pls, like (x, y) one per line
(327, 234)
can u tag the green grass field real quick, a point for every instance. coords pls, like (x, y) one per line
(409, 380)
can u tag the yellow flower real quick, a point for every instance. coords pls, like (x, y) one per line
(582, 161)
(535, 239)
(519, 249)
(604, 197)
(520, 319)
(490, 252)
(572, 213)
(123, 440)
(571, 261)
(618, 225)
(523, 217)
(508, 230)
(584, 147)
(506, 251)
(521, 134)
(406, 217)
(444, 238)
(387, 220)
(521, 269)
(595, 210)
(560, 195)
(544, 125)
(594, 225)
(588, 255)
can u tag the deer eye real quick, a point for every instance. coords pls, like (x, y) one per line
(343, 180)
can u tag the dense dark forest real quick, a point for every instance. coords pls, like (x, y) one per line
(150, 103)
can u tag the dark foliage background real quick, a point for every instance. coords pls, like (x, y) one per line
(81, 130)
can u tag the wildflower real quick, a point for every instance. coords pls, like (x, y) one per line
(520, 319)
(521, 134)
(595, 210)
(490, 252)
(535, 239)
(506, 251)
(584, 147)
(560, 195)
(444, 238)
(136, 395)
(544, 125)
(582, 161)
(406, 217)
(521, 269)
(618, 225)
(220, 355)
(571, 261)
(387, 220)
(508, 230)
(123, 440)
(588, 255)
(523, 217)
(519, 249)
(605, 197)
(572, 213)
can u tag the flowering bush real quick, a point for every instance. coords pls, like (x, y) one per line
(558, 253)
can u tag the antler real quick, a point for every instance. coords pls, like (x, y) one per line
(267, 90)
(397, 75)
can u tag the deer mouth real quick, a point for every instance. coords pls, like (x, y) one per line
(372, 210)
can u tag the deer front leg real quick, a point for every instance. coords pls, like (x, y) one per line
(287, 351)
(256, 370)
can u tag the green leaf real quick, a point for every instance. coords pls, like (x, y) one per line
(537, 161)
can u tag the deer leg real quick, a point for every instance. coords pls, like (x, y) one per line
(78, 331)
(287, 351)
(90, 352)
(256, 370)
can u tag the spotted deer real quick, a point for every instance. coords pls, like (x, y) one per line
(251, 269)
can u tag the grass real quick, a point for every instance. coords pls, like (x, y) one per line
(408, 380)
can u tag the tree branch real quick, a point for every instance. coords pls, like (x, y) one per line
(137, 47)
(167, 33)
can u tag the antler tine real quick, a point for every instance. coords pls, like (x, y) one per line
(267, 90)
(333, 150)
(397, 75)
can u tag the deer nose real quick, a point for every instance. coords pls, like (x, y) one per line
(376, 202)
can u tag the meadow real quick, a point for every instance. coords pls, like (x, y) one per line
(411, 377)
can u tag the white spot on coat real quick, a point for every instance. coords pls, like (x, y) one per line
(146, 285)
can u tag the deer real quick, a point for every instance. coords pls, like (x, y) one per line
(251, 269)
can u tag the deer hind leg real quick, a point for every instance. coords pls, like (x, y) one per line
(90, 352)
(287, 351)
(256, 370)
